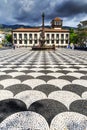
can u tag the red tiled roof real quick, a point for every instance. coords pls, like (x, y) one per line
(39, 29)
(57, 19)
(56, 30)
(27, 30)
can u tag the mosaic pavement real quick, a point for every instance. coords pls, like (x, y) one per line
(43, 90)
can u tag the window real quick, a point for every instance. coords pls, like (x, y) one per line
(62, 36)
(15, 41)
(57, 41)
(35, 36)
(62, 41)
(35, 41)
(20, 36)
(52, 41)
(67, 41)
(47, 35)
(56, 23)
(48, 41)
(66, 35)
(60, 23)
(57, 36)
(15, 35)
(52, 36)
(30, 41)
(20, 41)
(30, 36)
(25, 36)
(25, 41)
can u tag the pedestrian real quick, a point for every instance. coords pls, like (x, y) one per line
(73, 47)
(13, 46)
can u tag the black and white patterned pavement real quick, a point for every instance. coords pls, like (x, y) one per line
(43, 90)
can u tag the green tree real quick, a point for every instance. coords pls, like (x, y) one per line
(9, 38)
(82, 37)
(73, 36)
(78, 37)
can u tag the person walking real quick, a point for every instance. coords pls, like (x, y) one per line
(13, 46)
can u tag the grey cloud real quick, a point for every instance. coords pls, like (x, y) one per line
(29, 11)
(34, 14)
(71, 8)
(66, 8)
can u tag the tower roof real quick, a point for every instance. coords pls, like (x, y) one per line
(56, 23)
(57, 19)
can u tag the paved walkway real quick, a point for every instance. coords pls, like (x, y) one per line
(43, 90)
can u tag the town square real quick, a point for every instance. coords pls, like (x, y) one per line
(43, 65)
(43, 90)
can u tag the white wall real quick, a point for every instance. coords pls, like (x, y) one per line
(38, 36)
(2, 37)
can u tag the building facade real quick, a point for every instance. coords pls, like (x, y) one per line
(83, 24)
(2, 36)
(54, 35)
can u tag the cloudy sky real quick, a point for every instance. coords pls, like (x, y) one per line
(29, 12)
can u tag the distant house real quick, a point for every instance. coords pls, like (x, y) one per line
(2, 36)
(31, 36)
(83, 28)
(83, 24)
